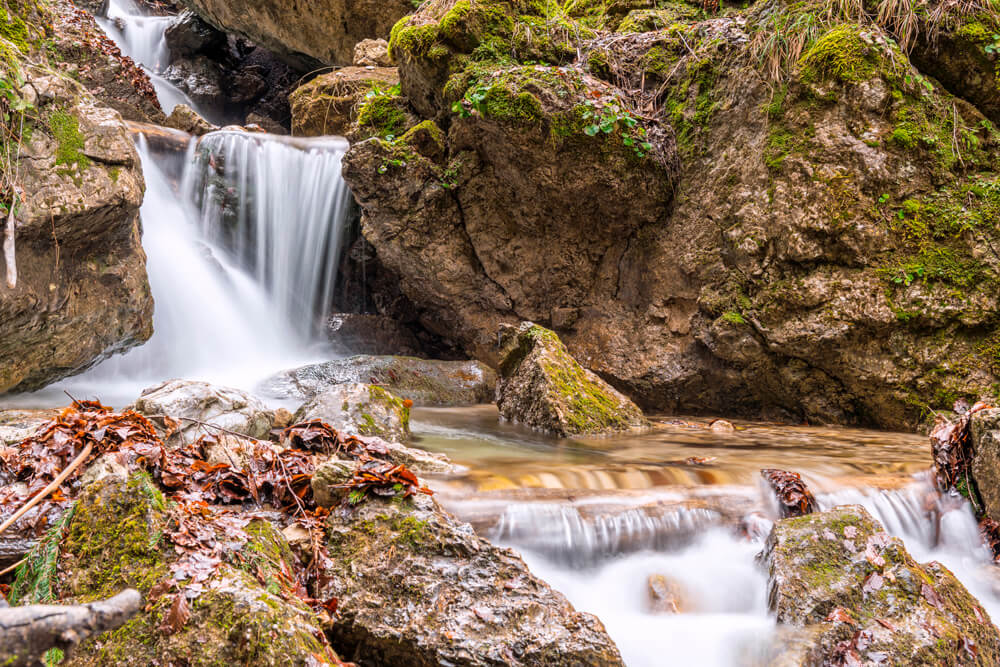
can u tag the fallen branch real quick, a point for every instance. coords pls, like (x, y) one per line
(53, 485)
(26, 633)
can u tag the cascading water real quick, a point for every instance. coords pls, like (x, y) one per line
(142, 38)
(266, 198)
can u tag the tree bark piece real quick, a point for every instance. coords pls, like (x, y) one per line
(26, 633)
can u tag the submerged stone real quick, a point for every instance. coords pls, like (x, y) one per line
(856, 589)
(543, 387)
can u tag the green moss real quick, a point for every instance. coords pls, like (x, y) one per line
(839, 54)
(65, 129)
(382, 115)
(415, 41)
(597, 63)
(732, 317)
(502, 104)
(426, 128)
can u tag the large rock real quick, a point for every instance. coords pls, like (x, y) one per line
(359, 409)
(445, 596)
(329, 103)
(115, 539)
(322, 32)
(542, 386)
(423, 381)
(188, 35)
(81, 293)
(224, 407)
(809, 261)
(857, 590)
(985, 434)
(354, 333)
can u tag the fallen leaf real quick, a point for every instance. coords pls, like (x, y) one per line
(177, 617)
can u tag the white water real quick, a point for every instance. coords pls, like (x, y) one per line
(284, 190)
(141, 38)
(725, 622)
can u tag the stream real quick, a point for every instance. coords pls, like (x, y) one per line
(240, 268)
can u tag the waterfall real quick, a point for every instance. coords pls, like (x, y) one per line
(278, 204)
(141, 38)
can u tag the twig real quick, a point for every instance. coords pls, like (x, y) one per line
(224, 430)
(8, 570)
(53, 485)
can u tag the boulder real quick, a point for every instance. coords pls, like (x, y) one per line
(81, 292)
(372, 52)
(859, 593)
(188, 35)
(320, 33)
(445, 596)
(16, 425)
(359, 409)
(188, 120)
(201, 78)
(354, 333)
(985, 434)
(227, 408)
(237, 616)
(423, 381)
(329, 103)
(540, 385)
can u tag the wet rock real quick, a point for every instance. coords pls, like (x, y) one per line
(201, 78)
(329, 103)
(115, 539)
(841, 574)
(282, 418)
(985, 434)
(721, 426)
(81, 293)
(188, 120)
(228, 408)
(359, 409)
(327, 478)
(666, 595)
(188, 35)
(106, 466)
(372, 52)
(446, 596)
(370, 334)
(323, 32)
(423, 381)
(542, 386)
(16, 425)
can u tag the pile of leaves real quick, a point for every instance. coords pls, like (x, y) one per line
(794, 497)
(953, 451)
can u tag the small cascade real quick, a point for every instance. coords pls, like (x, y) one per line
(142, 38)
(280, 207)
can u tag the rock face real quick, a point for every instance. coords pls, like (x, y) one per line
(423, 381)
(323, 32)
(354, 333)
(81, 292)
(329, 103)
(542, 386)
(986, 461)
(859, 592)
(186, 119)
(748, 281)
(359, 409)
(446, 596)
(231, 409)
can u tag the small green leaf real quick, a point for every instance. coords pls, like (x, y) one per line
(591, 130)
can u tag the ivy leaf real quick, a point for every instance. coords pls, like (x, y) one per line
(591, 130)
(607, 125)
(646, 146)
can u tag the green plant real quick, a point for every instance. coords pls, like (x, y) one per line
(993, 47)
(611, 118)
(474, 99)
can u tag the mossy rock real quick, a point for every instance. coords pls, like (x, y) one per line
(360, 409)
(542, 386)
(843, 558)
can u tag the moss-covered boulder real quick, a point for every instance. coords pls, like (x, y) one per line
(360, 409)
(418, 588)
(423, 381)
(542, 386)
(75, 289)
(857, 590)
(116, 539)
(329, 104)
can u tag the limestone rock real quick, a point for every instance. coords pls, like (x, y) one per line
(16, 425)
(372, 52)
(323, 32)
(423, 381)
(228, 408)
(188, 120)
(82, 292)
(839, 573)
(986, 461)
(370, 334)
(446, 596)
(329, 103)
(359, 409)
(542, 386)
(188, 35)
(666, 595)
